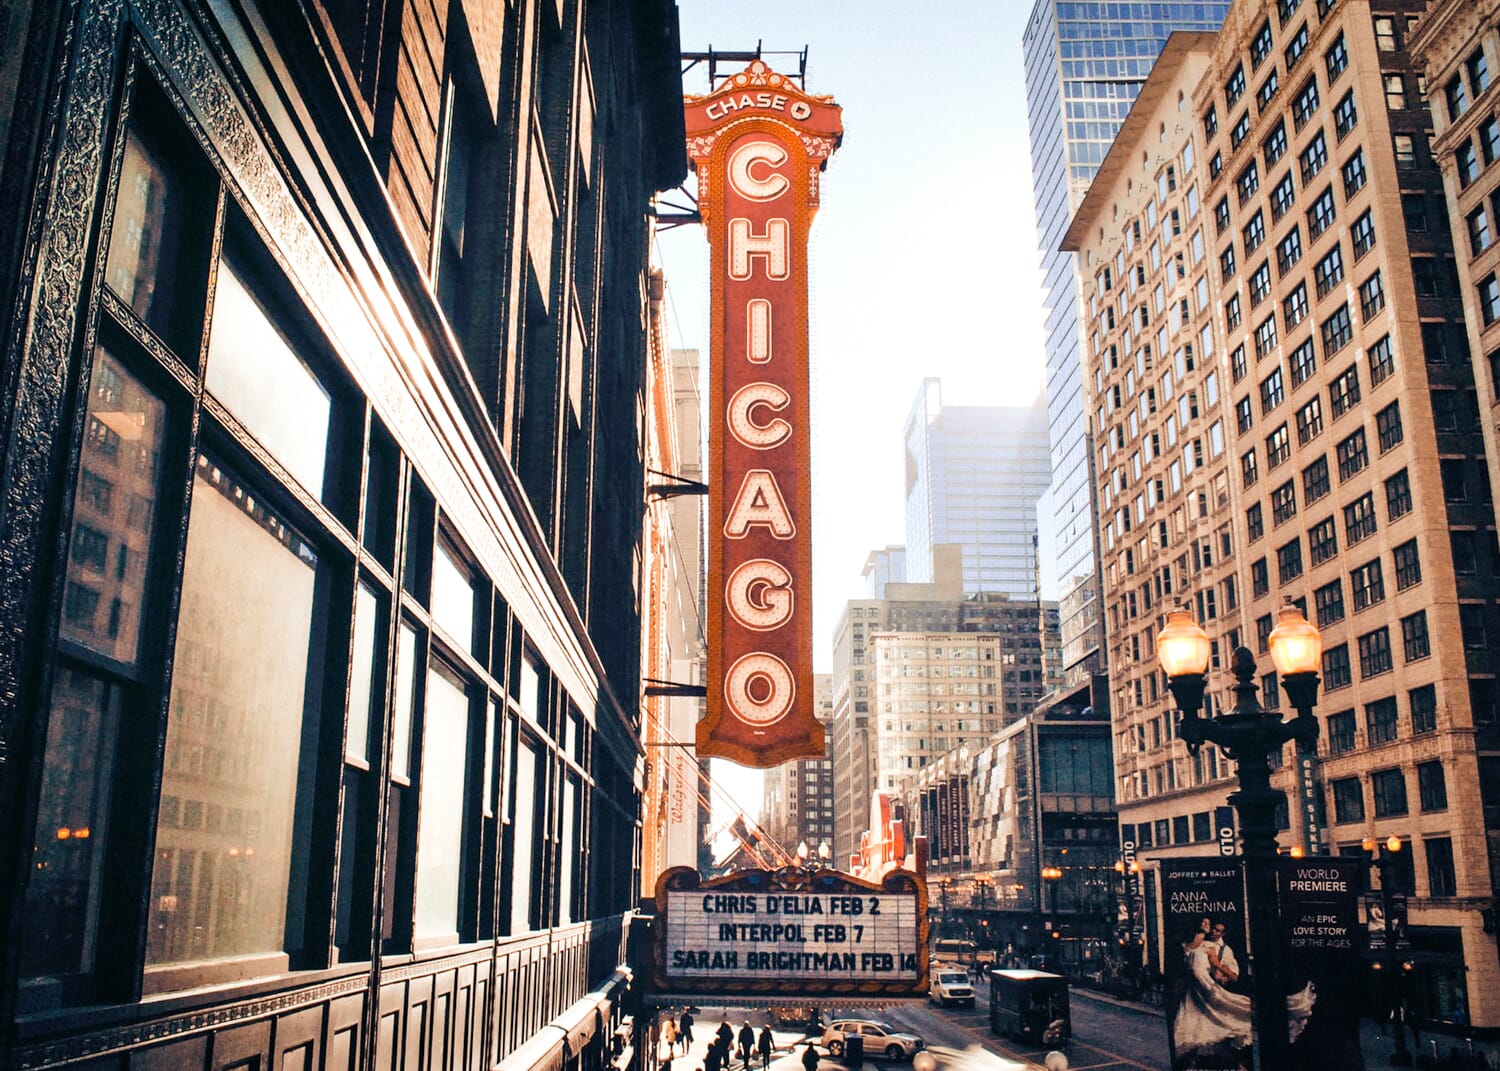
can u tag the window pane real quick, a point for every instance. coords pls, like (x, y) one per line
(253, 370)
(361, 683)
(62, 894)
(452, 596)
(406, 679)
(445, 745)
(235, 729)
(113, 508)
(158, 239)
(523, 834)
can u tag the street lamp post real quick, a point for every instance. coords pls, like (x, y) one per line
(981, 894)
(1389, 959)
(1250, 735)
(1051, 875)
(943, 887)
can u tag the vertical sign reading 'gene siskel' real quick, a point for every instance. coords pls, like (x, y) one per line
(759, 143)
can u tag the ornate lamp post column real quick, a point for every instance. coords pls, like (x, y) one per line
(1250, 735)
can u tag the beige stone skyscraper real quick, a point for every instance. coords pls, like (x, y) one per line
(879, 722)
(1304, 254)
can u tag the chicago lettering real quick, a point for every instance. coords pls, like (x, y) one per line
(759, 594)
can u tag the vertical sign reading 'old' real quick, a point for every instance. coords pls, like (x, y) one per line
(758, 144)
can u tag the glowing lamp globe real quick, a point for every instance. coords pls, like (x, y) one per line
(1368, 844)
(1393, 843)
(1182, 647)
(1296, 643)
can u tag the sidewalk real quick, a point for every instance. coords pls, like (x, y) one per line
(1375, 1041)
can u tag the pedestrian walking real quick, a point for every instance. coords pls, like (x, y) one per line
(810, 1058)
(747, 1043)
(725, 1034)
(685, 1030)
(711, 1061)
(669, 1035)
(767, 1045)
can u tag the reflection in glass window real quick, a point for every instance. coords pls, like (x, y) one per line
(62, 894)
(113, 510)
(254, 371)
(445, 738)
(157, 229)
(224, 856)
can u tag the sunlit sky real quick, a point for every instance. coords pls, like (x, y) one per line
(924, 253)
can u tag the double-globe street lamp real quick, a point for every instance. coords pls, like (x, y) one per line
(1250, 735)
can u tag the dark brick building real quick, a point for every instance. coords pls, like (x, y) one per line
(320, 519)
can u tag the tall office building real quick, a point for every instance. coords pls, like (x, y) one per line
(1085, 63)
(1321, 444)
(973, 477)
(881, 729)
(798, 801)
(884, 567)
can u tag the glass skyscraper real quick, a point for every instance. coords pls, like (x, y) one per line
(973, 477)
(1085, 63)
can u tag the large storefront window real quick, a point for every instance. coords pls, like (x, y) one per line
(445, 746)
(240, 698)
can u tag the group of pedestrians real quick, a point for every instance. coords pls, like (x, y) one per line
(724, 1047)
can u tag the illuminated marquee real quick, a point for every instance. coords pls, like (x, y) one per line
(758, 144)
(791, 932)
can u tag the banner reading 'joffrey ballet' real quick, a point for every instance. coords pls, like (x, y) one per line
(758, 143)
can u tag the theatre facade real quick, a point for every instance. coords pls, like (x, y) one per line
(326, 326)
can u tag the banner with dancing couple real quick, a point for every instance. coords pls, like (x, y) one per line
(1203, 938)
(1209, 1010)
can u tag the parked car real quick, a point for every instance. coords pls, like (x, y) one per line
(880, 1039)
(951, 987)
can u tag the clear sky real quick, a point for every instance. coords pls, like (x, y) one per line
(924, 253)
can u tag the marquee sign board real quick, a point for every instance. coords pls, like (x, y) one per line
(791, 933)
(758, 144)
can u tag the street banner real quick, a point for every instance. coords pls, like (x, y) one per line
(1203, 934)
(1310, 797)
(1386, 922)
(1132, 911)
(1224, 830)
(1320, 930)
(758, 143)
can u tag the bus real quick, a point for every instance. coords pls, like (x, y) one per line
(963, 953)
(1030, 1006)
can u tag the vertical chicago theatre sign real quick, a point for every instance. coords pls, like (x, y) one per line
(758, 144)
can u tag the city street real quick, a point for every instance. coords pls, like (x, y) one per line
(1105, 1038)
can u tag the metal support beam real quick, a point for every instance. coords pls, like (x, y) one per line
(674, 688)
(680, 485)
